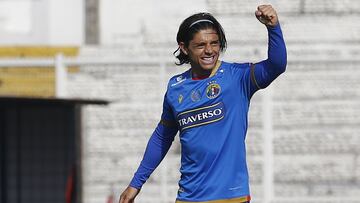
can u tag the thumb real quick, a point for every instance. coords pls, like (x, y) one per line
(258, 13)
(260, 17)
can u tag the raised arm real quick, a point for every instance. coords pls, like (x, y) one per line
(264, 72)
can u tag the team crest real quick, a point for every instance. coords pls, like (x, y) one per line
(213, 90)
(195, 95)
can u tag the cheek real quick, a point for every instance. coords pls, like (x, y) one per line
(194, 54)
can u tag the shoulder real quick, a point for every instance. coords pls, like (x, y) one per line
(236, 65)
(174, 85)
(178, 79)
(236, 68)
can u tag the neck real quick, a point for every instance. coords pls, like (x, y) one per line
(199, 73)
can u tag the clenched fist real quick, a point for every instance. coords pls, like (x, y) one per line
(266, 14)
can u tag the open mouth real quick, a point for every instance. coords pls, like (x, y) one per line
(208, 59)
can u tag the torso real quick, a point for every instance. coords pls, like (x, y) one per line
(212, 119)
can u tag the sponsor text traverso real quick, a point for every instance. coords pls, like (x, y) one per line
(201, 116)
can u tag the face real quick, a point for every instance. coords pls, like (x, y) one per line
(203, 50)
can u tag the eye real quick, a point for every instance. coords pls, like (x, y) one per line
(200, 46)
(215, 43)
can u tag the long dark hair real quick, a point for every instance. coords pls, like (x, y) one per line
(193, 24)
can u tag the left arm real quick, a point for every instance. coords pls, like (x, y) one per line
(264, 72)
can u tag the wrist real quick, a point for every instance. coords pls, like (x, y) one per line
(273, 27)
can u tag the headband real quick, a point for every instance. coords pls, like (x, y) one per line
(199, 21)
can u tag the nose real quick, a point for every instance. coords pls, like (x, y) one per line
(208, 49)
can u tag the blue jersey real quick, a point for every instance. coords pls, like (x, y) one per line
(211, 116)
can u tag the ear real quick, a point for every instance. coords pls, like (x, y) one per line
(183, 48)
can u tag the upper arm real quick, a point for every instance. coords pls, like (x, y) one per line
(167, 116)
(262, 74)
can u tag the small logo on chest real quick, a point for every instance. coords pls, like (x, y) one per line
(195, 95)
(180, 99)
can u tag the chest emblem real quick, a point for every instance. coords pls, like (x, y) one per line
(195, 95)
(180, 99)
(213, 90)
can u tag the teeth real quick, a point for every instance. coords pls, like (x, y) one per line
(208, 60)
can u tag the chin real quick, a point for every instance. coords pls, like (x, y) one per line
(208, 66)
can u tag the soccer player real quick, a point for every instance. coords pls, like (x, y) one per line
(208, 105)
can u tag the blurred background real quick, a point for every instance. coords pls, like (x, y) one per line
(82, 82)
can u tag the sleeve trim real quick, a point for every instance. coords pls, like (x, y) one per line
(253, 79)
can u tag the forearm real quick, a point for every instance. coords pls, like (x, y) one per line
(266, 71)
(157, 147)
(277, 58)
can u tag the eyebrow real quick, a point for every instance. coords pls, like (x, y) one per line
(203, 42)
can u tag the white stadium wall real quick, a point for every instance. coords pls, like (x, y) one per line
(123, 21)
(66, 25)
(41, 22)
